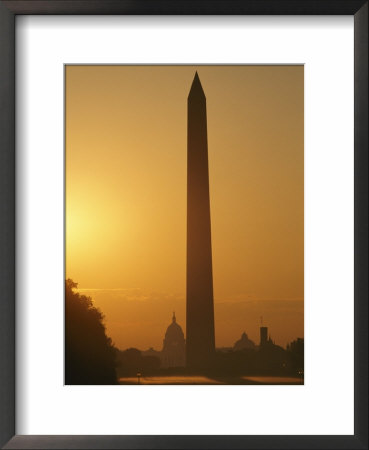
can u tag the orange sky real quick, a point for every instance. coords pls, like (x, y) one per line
(126, 130)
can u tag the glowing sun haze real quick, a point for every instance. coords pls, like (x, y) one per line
(126, 156)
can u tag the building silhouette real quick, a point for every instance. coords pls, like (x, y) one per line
(244, 343)
(264, 339)
(174, 346)
(263, 336)
(200, 346)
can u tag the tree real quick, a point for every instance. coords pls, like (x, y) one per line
(131, 361)
(89, 352)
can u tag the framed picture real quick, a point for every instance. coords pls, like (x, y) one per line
(184, 224)
(146, 323)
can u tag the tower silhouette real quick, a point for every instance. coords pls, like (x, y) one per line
(200, 339)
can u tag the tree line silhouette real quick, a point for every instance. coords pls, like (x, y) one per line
(92, 359)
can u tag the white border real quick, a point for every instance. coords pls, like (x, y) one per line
(325, 404)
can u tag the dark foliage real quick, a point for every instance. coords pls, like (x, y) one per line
(266, 360)
(131, 362)
(296, 350)
(89, 353)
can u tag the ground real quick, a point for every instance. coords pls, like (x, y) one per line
(199, 379)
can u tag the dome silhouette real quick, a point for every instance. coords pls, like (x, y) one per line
(174, 346)
(174, 331)
(244, 343)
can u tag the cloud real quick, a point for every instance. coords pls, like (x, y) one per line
(130, 294)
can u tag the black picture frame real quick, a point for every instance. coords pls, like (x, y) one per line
(8, 12)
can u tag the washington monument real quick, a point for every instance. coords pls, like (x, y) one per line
(200, 339)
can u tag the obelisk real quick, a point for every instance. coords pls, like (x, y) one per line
(200, 339)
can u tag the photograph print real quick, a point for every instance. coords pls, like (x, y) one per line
(184, 225)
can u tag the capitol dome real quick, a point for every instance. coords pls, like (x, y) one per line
(174, 346)
(174, 331)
